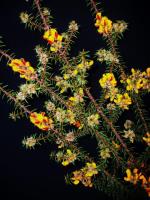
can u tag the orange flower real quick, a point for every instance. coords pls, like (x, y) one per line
(103, 23)
(23, 67)
(41, 121)
(54, 39)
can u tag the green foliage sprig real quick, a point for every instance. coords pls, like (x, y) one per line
(71, 113)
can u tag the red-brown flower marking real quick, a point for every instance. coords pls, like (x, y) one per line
(41, 121)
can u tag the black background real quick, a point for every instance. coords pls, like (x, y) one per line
(29, 174)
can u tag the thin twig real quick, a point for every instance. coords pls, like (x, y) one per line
(99, 110)
(15, 100)
(46, 26)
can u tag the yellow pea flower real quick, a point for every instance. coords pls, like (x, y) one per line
(54, 39)
(103, 24)
(23, 67)
(41, 121)
(123, 100)
(65, 163)
(108, 80)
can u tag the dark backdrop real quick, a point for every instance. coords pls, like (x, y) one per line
(29, 174)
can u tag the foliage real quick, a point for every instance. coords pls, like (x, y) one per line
(71, 113)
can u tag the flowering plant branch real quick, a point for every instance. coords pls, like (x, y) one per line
(71, 112)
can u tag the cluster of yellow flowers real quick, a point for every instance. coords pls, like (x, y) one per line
(80, 68)
(74, 72)
(136, 176)
(103, 24)
(108, 82)
(54, 39)
(123, 100)
(41, 121)
(77, 98)
(24, 68)
(65, 116)
(85, 175)
(68, 158)
(138, 80)
(62, 83)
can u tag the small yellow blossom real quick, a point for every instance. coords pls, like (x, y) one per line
(66, 76)
(77, 177)
(85, 64)
(132, 177)
(62, 84)
(147, 139)
(68, 158)
(123, 100)
(60, 143)
(78, 97)
(111, 93)
(108, 80)
(91, 169)
(117, 146)
(75, 72)
(137, 81)
(85, 175)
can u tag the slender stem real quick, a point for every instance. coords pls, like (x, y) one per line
(46, 26)
(99, 110)
(99, 136)
(32, 24)
(93, 4)
(114, 52)
(141, 115)
(15, 100)
(70, 36)
(6, 55)
(43, 74)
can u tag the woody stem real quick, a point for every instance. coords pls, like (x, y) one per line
(99, 110)
(14, 99)
(93, 4)
(37, 3)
